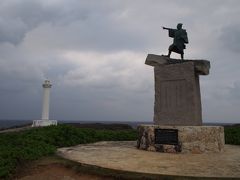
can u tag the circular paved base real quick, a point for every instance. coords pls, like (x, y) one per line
(126, 157)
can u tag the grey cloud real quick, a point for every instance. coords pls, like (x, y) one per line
(12, 30)
(75, 24)
(92, 104)
(230, 38)
(20, 17)
(234, 93)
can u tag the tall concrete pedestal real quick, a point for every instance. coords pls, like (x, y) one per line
(177, 90)
(177, 109)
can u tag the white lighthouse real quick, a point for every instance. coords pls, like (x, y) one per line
(46, 94)
(45, 107)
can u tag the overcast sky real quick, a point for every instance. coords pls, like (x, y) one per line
(94, 52)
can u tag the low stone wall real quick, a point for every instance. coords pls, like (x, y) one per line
(191, 139)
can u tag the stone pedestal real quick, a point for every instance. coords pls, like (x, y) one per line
(177, 91)
(177, 110)
(190, 139)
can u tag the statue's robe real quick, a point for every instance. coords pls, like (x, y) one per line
(179, 40)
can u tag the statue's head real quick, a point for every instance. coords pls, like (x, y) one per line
(179, 26)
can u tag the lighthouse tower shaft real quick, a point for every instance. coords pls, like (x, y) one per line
(46, 99)
(45, 107)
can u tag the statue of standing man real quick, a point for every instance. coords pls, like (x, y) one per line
(180, 38)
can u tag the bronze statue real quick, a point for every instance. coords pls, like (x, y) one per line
(180, 38)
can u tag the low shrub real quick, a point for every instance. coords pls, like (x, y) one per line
(232, 135)
(19, 147)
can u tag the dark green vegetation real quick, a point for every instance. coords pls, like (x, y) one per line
(102, 126)
(19, 147)
(232, 135)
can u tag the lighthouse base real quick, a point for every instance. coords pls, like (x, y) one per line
(38, 123)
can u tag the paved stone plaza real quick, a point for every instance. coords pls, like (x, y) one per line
(126, 157)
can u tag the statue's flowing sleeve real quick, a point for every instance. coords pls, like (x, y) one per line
(171, 33)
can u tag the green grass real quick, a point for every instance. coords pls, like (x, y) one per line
(232, 135)
(19, 147)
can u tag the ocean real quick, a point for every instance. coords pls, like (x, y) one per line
(13, 123)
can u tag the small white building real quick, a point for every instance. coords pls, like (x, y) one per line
(45, 108)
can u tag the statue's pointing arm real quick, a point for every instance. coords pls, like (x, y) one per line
(171, 32)
(165, 28)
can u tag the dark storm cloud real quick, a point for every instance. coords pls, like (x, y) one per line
(19, 17)
(69, 24)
